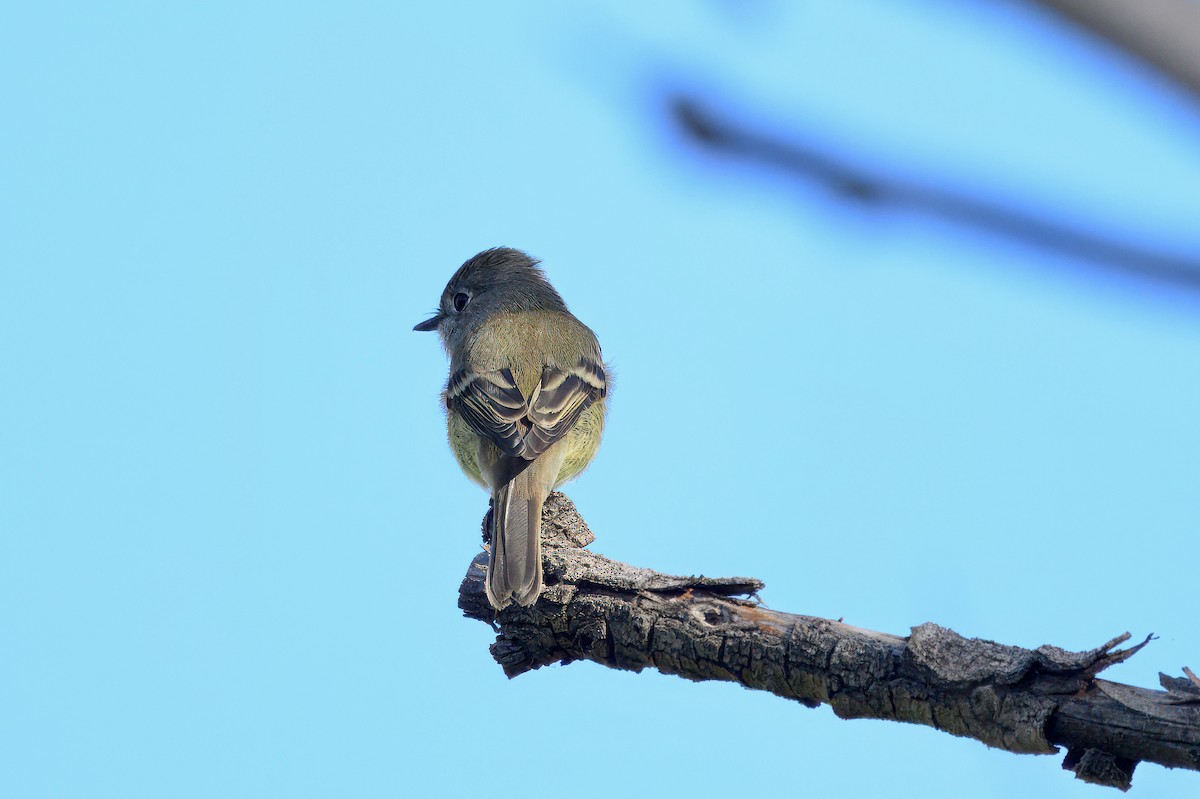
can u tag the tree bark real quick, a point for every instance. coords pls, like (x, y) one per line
(701, 628)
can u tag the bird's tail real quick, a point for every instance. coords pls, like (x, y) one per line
(515, 567)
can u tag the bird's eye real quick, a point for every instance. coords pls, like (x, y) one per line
(460, 301)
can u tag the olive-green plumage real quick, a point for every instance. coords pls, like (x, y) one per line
(525, 402)
(555, 337)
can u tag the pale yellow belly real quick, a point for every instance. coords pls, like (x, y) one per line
(582, 442)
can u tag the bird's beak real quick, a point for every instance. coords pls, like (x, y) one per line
(429, 324)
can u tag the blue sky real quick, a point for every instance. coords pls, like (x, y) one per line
(234, 534)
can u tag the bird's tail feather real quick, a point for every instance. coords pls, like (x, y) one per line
(515, 567)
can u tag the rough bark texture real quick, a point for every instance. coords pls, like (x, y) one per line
(701, 628)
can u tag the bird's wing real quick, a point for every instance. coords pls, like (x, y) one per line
(558, 400)
(494, 407)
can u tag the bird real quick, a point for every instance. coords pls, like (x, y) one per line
(525, 403)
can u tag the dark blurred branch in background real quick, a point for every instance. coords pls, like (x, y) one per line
(1163, 33)
(857, 184)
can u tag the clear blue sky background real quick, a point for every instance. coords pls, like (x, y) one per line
(231, 534)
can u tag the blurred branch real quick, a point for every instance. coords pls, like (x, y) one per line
(862, 185)
(1020, 700)
(1163, 33)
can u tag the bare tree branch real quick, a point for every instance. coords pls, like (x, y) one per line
(1020, 700)
(862, 185)
(1163, 33)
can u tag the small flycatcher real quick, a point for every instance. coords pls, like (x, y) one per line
(525, 402)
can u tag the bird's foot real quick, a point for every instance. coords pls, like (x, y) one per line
(489, 521)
